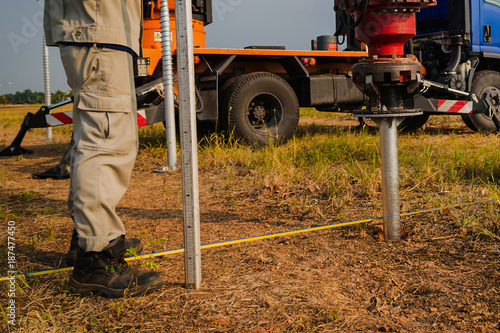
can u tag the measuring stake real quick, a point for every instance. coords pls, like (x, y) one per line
(189, 156)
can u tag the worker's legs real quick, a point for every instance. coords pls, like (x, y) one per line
(105, 140)
(101, 168)
(102, 158)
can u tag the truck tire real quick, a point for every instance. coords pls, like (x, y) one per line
(262, 108)
(224, 95)
(486, 86)
(468, 122)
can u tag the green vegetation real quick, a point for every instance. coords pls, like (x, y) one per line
(25, 195)
(33, 97)
(341, 165)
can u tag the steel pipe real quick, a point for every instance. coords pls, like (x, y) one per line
(168, 92)
(390, 177)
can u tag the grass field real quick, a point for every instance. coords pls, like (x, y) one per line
(441, 277)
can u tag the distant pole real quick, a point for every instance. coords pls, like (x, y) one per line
(189, 155)
(46, 80)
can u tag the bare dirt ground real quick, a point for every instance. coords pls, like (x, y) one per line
(436, 279)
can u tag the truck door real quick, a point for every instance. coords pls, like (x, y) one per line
(489, 26)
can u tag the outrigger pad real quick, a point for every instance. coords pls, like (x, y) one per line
(15, 151)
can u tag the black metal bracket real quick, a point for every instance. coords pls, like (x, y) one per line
(36, 120)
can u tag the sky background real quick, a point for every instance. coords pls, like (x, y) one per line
(237, 23)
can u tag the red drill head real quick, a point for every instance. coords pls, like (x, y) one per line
(384, 25)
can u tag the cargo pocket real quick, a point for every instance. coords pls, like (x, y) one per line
(97, 101)
(110, 132)
(110, 87)
(94, 130)
(120, 136)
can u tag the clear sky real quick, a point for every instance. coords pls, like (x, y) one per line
(237, 23)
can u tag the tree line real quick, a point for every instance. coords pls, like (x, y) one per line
(34, 97)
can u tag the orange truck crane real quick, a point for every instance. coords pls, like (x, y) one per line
(256, 91)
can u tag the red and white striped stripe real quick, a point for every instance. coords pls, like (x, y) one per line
(454, 106)
(141, 118)
(58, 119)
(64, 118)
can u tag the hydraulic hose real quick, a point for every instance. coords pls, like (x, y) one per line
(456, 55)
(360, 18)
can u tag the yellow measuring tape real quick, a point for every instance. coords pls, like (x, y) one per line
(255, 238)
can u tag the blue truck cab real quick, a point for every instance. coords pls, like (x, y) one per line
(485, 28)
(477, 20)
(458, 43)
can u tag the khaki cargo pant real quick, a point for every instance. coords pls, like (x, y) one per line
(105, 135)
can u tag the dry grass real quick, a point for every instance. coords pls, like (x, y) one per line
(443, 275)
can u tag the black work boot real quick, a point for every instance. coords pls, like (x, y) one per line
(106, 273)
(60, 171)
(130, 243)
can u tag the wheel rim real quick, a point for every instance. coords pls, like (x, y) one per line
(264, 112)
(491, 95)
